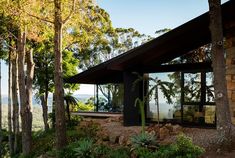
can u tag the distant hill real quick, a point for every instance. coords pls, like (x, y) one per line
(37, 118)
(81, 97)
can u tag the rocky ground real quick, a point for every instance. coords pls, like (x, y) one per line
(114, 133)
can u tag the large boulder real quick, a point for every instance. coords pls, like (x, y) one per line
(169, 127)
(164, 133)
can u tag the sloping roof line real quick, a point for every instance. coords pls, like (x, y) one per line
(170, 45)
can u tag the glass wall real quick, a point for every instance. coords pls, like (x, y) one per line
(158, 85)
(109, 98)
(192, 96)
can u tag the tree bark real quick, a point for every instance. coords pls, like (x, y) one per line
(43, 99)
(59, 93)
(218, 63)
(10, 137)
(25, 93)
(15, 102)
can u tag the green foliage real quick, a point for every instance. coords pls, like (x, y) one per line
(186, 149)
(143, 140)
(88, 130)
(141, 104)
(84, 149)
(102, 150)
(68, 151)
(43, 142)
(84, 106)
(142, 152)
(182, 148)
(119, 153)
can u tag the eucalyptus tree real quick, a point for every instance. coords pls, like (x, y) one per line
(74, 20)
(44, 66)
(8, 48)
(224, 124)
(15, 9)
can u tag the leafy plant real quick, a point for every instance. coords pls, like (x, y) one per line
(142, 112)
(68, 151)
(142, 152)
(119, 153)
(102, 150)
(88, 130)
(183, 148)
(143, 140)
(84, 149)
(186, 149)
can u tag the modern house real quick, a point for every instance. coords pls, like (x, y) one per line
(157, 55)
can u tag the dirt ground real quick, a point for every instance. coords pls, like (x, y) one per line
(200, 136)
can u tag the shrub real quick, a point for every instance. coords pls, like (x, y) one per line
(119, 153)
(142, 152)
(183, 148)
(186, 149)
(43, 142)
(84, 149)
(143, 140)
(101, 150)
(68, 151)
(88, 130)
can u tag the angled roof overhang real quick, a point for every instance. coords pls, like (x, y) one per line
(152, 54)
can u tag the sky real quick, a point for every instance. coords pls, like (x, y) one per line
(146, 16)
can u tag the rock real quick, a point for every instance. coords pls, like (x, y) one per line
(122, 140)
(164, 133)
(113, 138)
(177, 129)
(104, 136)
(169, 127)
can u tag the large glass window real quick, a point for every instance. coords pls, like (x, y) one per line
(162, 83)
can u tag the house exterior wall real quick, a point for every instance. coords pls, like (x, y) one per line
(230, 74)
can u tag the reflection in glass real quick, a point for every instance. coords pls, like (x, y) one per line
(209, 87)
(192, 87)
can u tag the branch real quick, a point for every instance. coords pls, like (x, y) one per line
(71, 13)
(39, 18)
(12, 34)
(6, 44)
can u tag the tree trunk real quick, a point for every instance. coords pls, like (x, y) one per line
(43, 99)
(157, 103)
(29, 91)
(10, 137)
(68, 111)
(53, 111)
(15, 102)
(59, 93)
(25, 94)
(0, 108)
(218, 63)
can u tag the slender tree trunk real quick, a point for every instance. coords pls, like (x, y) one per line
(0, 108)
(157, 103)
(59, 93)
(53, 111)
(67, 110)
(25, 94)
(43, 99)
(29, 94)
(15, 102)
(10, 137)
(218, 62)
